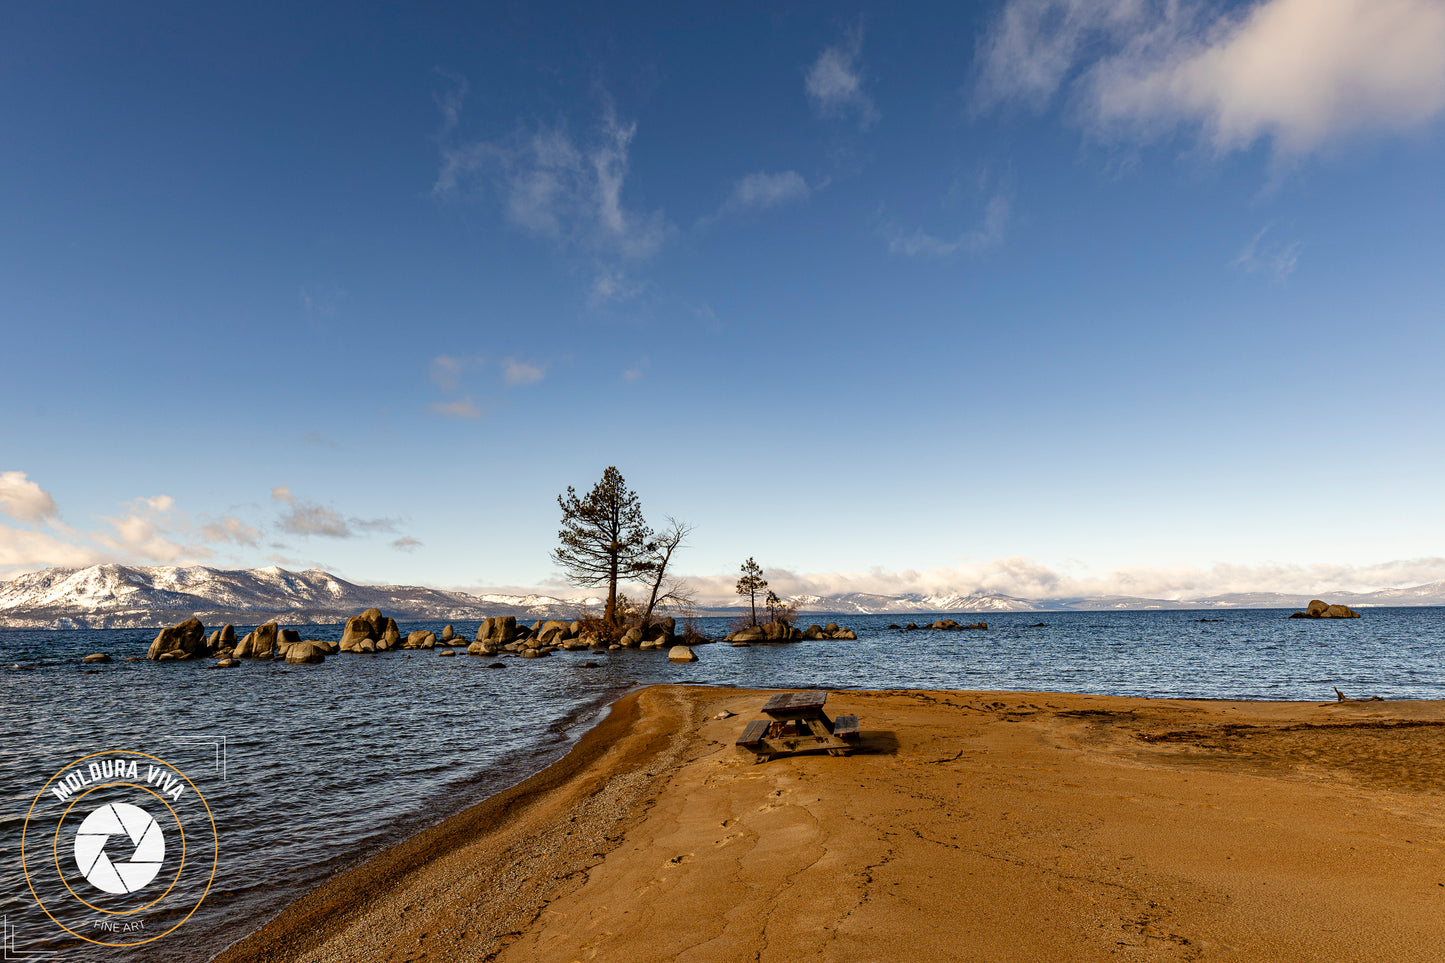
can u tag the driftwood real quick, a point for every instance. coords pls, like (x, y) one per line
(1341, 697)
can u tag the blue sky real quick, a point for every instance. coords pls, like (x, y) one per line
(1036, 296)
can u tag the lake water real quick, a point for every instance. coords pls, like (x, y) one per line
(307, 769)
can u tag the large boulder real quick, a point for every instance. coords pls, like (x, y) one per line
(814, 632)
(260, 644)
(482, 647)
(358, 630)
(1323, 610)
(305, 653)
(448, 633)
(500, 629)
(228, 635)
(752, 633)
(420, 639)
(631, 639)
(681, 653)
(389, 636)
(188, 637)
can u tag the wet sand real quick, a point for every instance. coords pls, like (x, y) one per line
(968, 826)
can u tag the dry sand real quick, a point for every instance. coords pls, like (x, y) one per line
(968, 826)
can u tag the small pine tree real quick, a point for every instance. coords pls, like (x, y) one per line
(750, 584)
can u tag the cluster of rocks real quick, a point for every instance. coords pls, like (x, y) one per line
(503, 634)
(1322, 610)
(783, 632)
(188, 640)
(371, 632)
(944, 625)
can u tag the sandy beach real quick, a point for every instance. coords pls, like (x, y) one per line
(967, 826)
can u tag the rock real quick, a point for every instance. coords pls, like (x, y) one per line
(260, 644)
(724, 715)
(213, 642)
(894, 625)
(174, 655)
(831, 627)
(911, 626)
(302, 653)
(846, 635)
(227, 663)
(228, 635)
(482, 648)
(447, 653)
(448, 633)
(976, 627)
(290, 637)
(750, 634)
(741, 645)
(681, 653)
(631, 639)
(1322, 610)
(357, 631)
(421, 639)
(775, 631)
(187, 637)
(497, 665)
(535, 653)
(389, 635)
(96, 657)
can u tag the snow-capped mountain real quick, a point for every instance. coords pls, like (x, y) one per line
(118, 596)
(115, 596)
(860, 603)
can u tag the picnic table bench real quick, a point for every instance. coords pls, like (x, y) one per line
(797, 723)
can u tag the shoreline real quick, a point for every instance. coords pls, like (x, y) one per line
(989, 825)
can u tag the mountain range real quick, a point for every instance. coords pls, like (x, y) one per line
(125, 596)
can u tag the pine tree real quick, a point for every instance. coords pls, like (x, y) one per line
(604, 538)
(751, 583)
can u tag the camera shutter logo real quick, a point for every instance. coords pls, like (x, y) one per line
(129, 827)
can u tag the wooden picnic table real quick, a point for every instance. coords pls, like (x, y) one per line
(797, 723)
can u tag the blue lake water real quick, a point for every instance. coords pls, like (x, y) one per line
(307, 769)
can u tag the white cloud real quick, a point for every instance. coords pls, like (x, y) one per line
(764, 190)
(460, 408)
(229, 529)
(406, 544)
(1274, 259)
(554, 187)
(517, 373)
(635, 371)
(24, 500)
(307, 518)
(1297, 73)
(834, 83)
(988, 233)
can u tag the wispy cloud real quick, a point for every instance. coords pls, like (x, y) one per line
(834, 82)
(1297, 73)
(318, 440)
(635, 371)
(464, 408)
(988, 233)
(517, 373)
(553, 186)
(1274, 259)
(307, 518)
(763, 190)
(406, 544)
